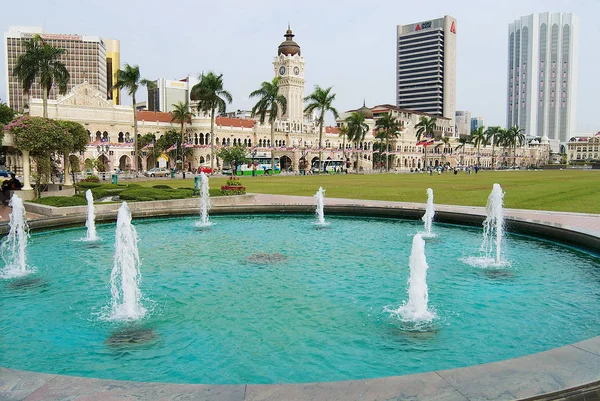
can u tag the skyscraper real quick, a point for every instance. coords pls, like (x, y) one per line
(86, 60)
(542, 74)
(462, 123)
(426, 67)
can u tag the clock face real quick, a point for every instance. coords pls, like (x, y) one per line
(296, 70)
(281, 70)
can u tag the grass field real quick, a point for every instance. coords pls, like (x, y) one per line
(566, 190)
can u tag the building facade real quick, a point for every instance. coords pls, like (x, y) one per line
(426, 67)
(168, 92)
(542, 74)
(462, 123)
(477, 122)
(86, 60)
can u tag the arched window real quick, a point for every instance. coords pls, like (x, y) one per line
(121, 138)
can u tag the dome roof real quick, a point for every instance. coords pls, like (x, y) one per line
(288, 46)
(545, 139)
(365, 111)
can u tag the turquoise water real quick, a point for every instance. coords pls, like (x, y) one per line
(318, 315)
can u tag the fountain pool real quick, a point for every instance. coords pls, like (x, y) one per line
(315, 314)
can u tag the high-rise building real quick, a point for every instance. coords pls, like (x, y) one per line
(462, 123)
(86, 60)
(542, 74)
(168, 92)
(426, 67)
(113, 64)
(477, 122)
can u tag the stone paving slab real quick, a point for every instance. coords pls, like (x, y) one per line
(528, 376)
(18, 384)
(67, 388)
(420, 387)
(592, 345)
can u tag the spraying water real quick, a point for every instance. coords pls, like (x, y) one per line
(91, 217)
(320, 198)
(429, 213)
(493, 226)
(204, 201)
(14, 245)
(125, 276)
(415, 310)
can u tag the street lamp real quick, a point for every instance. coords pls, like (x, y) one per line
(253, 154)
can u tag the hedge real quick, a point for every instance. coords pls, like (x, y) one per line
(150, 194)
(61, 201)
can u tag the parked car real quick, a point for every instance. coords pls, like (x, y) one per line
(157, 172)
(204, 169)
(5, 173)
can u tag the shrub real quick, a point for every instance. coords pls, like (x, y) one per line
(91, 178)
(228, 190)
(233, 181)
(61, 201)
(148, 194)
(161, 186)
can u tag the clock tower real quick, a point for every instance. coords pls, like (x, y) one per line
(289, 67)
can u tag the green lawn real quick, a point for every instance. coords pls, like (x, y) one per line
(567, 190)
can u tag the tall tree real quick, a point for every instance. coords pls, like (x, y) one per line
(391, 127)
(42, 62)
(211, 97)
(322, 100)
(462, 144)
(181, 114)
(357, 129)
(479, 137)
(269, 101)
(6, 114)
(129, 78)
(344, 134)
(493, 135)
(380, 135)
(516, 138)
(425, 130)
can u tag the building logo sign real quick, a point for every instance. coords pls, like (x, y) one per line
(453, 27)
(423, 25)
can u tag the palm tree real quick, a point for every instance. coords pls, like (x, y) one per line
(516, 138)
(381, 135)
(478, 136)
(391, 128)
(493, 136)
(211, 97)
(42, 62)
(129, 78)
(344, 134)
(463, 140)
(322, 100)
(181, 114)
(270, 101)
(357, 129)
(425, 129)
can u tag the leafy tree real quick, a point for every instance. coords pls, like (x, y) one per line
(233, 155)
(129, 78)
(357, 129)
(425, 130)
(211, 97)
(380, 135)
(344, 134)
(479, 137)
(462, 143)
(41, 62)
(76, 141)
(322, 100)
(6, 114)
(272, 102)
(390, 127)
(181, 114)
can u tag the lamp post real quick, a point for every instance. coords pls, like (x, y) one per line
(253, 155)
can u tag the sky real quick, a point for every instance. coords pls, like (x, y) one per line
(348, 45)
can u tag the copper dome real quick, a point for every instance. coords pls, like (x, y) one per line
(365, 111)
(288, 46)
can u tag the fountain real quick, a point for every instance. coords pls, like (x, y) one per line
(15, 244)
(429, 213)
(415, 310)
(320, 198)
(125, 276)
(204, 202)
(493, 226)
(90, 222)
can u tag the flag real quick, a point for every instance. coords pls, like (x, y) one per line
(421, 143)
(172, 148)
(188, 145)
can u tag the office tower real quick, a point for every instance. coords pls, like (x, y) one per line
(462, 123)
(426, 67)
(542, 74)
(86, 60)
